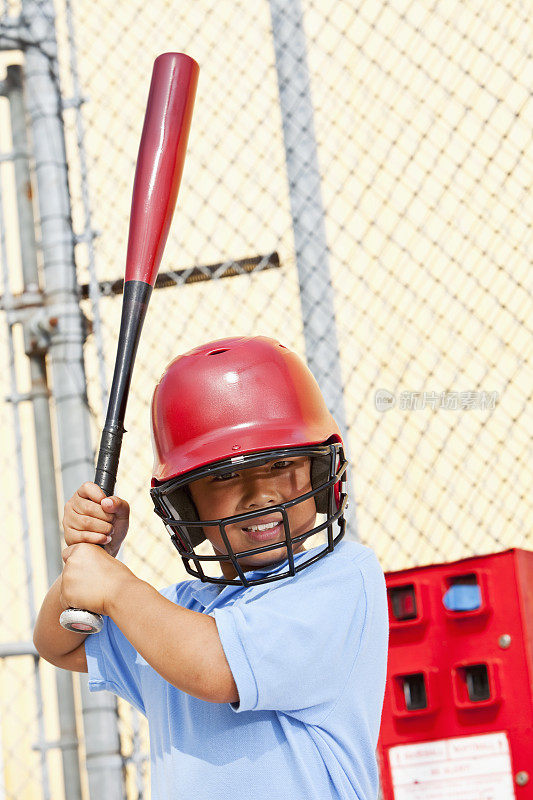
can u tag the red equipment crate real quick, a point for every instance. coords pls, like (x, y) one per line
(458, 713)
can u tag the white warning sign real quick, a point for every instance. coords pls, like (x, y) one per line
(465, 768)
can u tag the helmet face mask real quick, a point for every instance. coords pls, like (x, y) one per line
(173, 503)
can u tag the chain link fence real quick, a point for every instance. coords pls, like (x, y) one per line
(358, 185)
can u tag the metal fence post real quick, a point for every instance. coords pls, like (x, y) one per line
(41, 415)
(21, 648)
(307, 208)
(44, 105)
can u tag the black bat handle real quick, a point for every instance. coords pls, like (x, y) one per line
(136, 297)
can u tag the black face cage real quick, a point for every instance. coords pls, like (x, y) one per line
(328, 468)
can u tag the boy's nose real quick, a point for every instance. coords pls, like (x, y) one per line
(258, 493)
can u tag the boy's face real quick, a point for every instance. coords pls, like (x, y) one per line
(244, 490)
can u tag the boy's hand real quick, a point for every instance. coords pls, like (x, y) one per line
(92, 517)
(91, 578)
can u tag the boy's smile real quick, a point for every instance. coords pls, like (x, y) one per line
(265, 529)
(243, 491)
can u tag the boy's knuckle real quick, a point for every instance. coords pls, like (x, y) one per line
(84, 523)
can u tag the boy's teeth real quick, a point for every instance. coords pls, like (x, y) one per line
(264, 527)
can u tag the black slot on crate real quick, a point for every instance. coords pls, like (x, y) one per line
(477, 682)
(403, 602)
(414, 691)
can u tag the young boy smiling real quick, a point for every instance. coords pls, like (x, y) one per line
(264, 678)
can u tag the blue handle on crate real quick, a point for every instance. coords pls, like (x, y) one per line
(462, 597)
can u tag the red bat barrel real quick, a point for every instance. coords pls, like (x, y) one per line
(160, 162)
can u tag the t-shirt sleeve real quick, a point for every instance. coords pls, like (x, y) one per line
(113, 664)
(292, 648)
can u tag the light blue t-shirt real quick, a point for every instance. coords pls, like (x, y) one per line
(308, 655)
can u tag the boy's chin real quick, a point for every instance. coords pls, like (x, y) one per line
(270, 558)
(260, 560)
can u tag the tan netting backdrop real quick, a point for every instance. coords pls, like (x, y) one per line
(423, 116)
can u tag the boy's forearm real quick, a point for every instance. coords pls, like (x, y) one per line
(183, 646)
(51, 640)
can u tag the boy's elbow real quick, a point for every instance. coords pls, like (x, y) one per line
(43, 651)
(37, 643)
(42, 645)
(73, 660)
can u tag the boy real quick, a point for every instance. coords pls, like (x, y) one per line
(265, 681)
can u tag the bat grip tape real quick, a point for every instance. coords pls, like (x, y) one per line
(108, 457)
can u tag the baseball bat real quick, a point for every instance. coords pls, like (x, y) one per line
(157, 178)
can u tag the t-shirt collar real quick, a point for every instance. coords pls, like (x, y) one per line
(207, 593)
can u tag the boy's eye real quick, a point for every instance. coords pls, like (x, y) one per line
(225, 476)
(275, 465)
